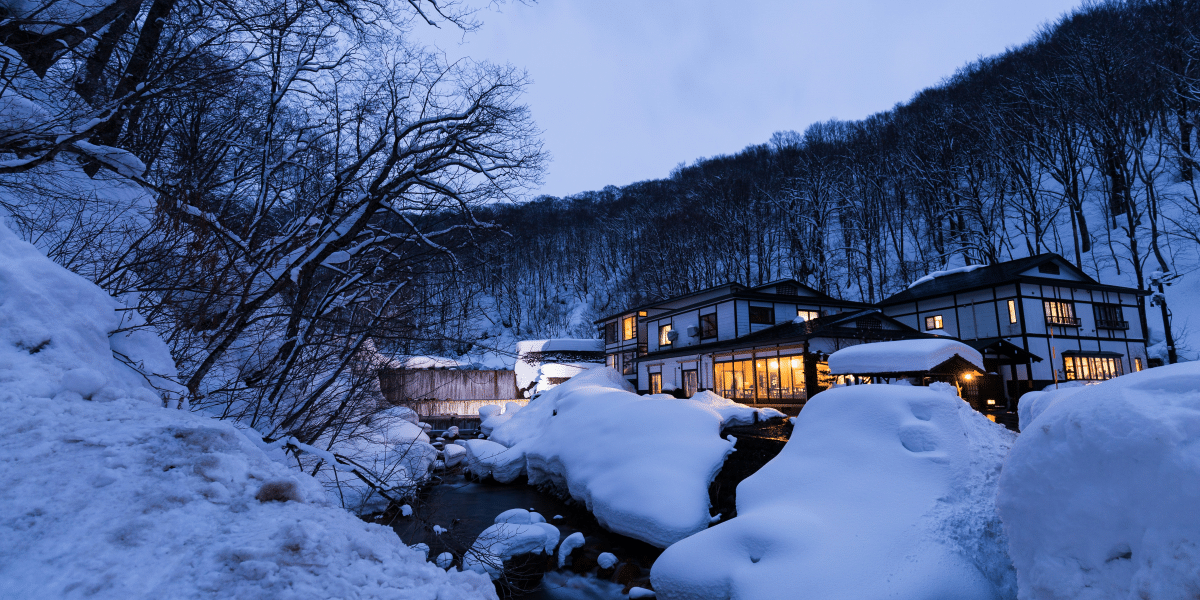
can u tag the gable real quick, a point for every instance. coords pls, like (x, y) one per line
(1056, 268)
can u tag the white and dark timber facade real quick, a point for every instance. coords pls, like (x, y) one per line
(1036, 321)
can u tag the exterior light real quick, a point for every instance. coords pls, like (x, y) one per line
(968, 376)
(774, 364)
(795, 363)
(991, 402)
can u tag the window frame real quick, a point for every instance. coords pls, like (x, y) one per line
(690, 387)
(656, 383)
(628, 367)
(628, 328)
(1012, 312)
(1063, 314)
(1082, 367)
(936, 321)
(664, 332)
(808, 315)
(704, 319)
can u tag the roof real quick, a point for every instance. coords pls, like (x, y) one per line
(838, 326)
(656, 303)
(902, 356)
(961, 280)
(1000, 346)
(560, 345)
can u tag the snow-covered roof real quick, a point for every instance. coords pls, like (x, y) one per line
(902, 356)
(560, 345)
(431, 362)
(936, 274)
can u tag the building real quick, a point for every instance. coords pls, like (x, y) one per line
(1037, 321)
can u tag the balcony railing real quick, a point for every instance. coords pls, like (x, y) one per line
(1105, 324)
(1062, 321)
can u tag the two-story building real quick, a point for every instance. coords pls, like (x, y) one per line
(1036, 320)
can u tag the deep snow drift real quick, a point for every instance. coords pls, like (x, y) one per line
(108, 495)
(881, 492)
(1099, 494)
(642, 465)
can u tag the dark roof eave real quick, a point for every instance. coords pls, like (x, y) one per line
(897, 299)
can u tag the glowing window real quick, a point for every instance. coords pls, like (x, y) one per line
(808, 315)
(656, 383)
(1012, 311)
(934, 322)
(664, 335)
(628, 327)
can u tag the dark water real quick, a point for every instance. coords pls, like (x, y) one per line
(465, 508)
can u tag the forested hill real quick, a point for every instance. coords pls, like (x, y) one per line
(1078, 142)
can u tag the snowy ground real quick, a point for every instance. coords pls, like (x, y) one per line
(108, 495)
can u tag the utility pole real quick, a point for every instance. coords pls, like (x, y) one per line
(1157, 279)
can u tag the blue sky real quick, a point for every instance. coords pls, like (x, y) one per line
(626, 90)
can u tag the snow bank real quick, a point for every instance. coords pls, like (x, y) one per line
(732, 413)
(900, 356)
(882, 491)
(396, 448)
(115, 497)
(642, 465)
(540, 360)
(1099, 494)
(485, 457)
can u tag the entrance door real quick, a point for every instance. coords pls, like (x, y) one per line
(690, 382)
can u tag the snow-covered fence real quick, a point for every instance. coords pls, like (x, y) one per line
(404, 386)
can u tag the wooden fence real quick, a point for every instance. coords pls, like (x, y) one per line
(402, 386)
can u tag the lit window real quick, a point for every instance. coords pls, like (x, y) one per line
(656, 383)
(934, 322)
(808, 315)
(1137, 364)
(708, 326)
(628, 327)
(664, 335)
(1012, 311)
(762, 315)
(1060, 313)
(1091, 367)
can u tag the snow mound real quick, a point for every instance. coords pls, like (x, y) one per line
(1099, 494)
(901, 356)
(732, 413)
(642, 465)
(882, 491)
(125, 499)
(485, 457)
(515, 532)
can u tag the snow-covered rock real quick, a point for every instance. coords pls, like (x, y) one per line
(485, 457)
(1099, 494)
(117, 497)
(641, 464)
(454, 454)
(882, 491)
(515, 532)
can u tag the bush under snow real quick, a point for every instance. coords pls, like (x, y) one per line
(1099, 495)
(882, 491)
(642, 465)
(107, 495)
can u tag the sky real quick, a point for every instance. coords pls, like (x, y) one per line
(626, 90)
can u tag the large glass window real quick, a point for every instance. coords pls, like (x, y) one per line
(610, 332)
(708, 326)
(807, 315)
(764, 379)
(691, 382)
(627, 365)
(762, 315)
(628, 327)
(1110, 316)
(656, 383)
(1091, 367)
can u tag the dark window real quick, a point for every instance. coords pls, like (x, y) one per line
(869, 323)
(691, 382)
(610, 332)
(1109, 316)
(656, 383)
(627, 365)
(934, 322)
(1049, 268)
(785, 289)
(708, 326)
(762, 315)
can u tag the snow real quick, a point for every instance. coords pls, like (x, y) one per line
(559, 345)
(117, 497)
(641, 464)
(900, 356)
(733, 414)
(515, 532)
(395, 448)
(535, 375)
(606, 560)
(1099, 493)
(881, 491)
(573, 541)
(637, 592)
(454, 454)
(485, 457)
(936, 274)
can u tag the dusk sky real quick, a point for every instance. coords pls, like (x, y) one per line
(626, 90)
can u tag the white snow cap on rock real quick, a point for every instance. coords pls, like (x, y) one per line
(121, 498)
(1099, 494)
(642, 465)
(881, 492)
(516, 531)
(900, 356)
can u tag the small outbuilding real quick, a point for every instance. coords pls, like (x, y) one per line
(919, 361)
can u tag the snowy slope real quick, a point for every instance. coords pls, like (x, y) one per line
(881, 492)
(1099, 494)
(108, 495)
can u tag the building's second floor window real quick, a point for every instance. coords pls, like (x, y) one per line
(762, 315)
(628, 327)
(808, 315)
(1012, 311)
(1061, 313)
(785, 289)
(610, 332)
(708, 326)
(664, 335)
(1109, 316)
(934, 322)
(1049, 268)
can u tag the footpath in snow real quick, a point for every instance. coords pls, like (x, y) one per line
(108, 495)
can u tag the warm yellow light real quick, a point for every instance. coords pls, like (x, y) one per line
(795, 363)
(992, 418)
(774, 364)
(967, 376)
(991, 402)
